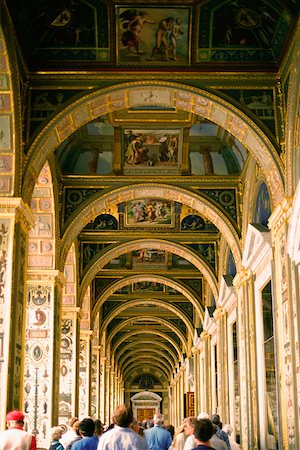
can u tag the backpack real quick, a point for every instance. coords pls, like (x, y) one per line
(56, 446)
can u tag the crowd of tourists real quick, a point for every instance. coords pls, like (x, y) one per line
(124, 433)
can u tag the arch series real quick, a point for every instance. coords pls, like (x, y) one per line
(174, 95)
(155, 278)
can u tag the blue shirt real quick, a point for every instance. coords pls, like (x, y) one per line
(86, 443)
(158, 438)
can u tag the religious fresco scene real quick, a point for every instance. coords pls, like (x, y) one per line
(150, 214)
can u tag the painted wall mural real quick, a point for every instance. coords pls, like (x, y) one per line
(71, 31)
(7, 143)
(67, 375)
(146, 259)
(262, 209)
(153, 34)
(241, 33)
(43, 103)
(259, 101)
(103, 222)
(41, 238)
(149, 213)
(151, 150)
(38, 360)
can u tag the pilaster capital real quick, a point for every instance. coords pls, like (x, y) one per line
(205, 336)
(86, 334)
(46, 276)
(70, 312)
(280, 215)
(195, 350)
(15, 206)
(243, 277)
(219, 313)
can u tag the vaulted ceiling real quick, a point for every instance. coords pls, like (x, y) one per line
(155, 263)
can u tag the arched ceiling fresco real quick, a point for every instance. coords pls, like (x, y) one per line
(97, 34)
(151, 147)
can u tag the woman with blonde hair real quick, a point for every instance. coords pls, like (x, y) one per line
(189, 427)
(179, 438)
(56, 434)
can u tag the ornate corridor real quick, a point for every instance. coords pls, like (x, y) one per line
(150, 213)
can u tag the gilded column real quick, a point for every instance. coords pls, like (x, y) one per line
(244, 284)
(182, 392)
(206, 372)
(117, 166)
(69, 363)
(102, 414)
(42, 359)
(111, 393)
(16, 220)
(196, 379)
(286, 327)
(95, 382)
(107, 394)
(85, 373)
(222, 364)
(185, 152)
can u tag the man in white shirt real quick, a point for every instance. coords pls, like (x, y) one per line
(121, 437)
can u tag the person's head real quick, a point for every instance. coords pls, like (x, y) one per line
(204, 430)
(87, 427)
(228, 429)
(56, 433)
(203, 415)
(215, 418)
(71, 421)
(150, 423)
(134, 425)
(15, 419)
(189, 425)
(158, 419)
(123, 416)
(76, 427)
(179, 429)
(171, 430)
(98, 427)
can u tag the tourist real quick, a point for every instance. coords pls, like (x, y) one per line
(121, 436)
(157, 437)
(15, 437)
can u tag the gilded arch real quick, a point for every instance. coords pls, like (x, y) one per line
(140, 370)
(134, 333)
(157, 244)
(145, 353)
(155, 302)
(92, 209)
(155, 361)
(292, 124)
(194, 100)
(155, 278)
(134, 345)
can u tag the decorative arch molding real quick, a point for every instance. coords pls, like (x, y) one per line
(10, 112)
(170, 94)
(158, 244)
(135, 333)
(140, 370)
(144, 362)
(154, 278)
(293, 243)
(146, 394)
(162, 304)
(91, 209)
(292, 122)
(143, 355)
(150, 344)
